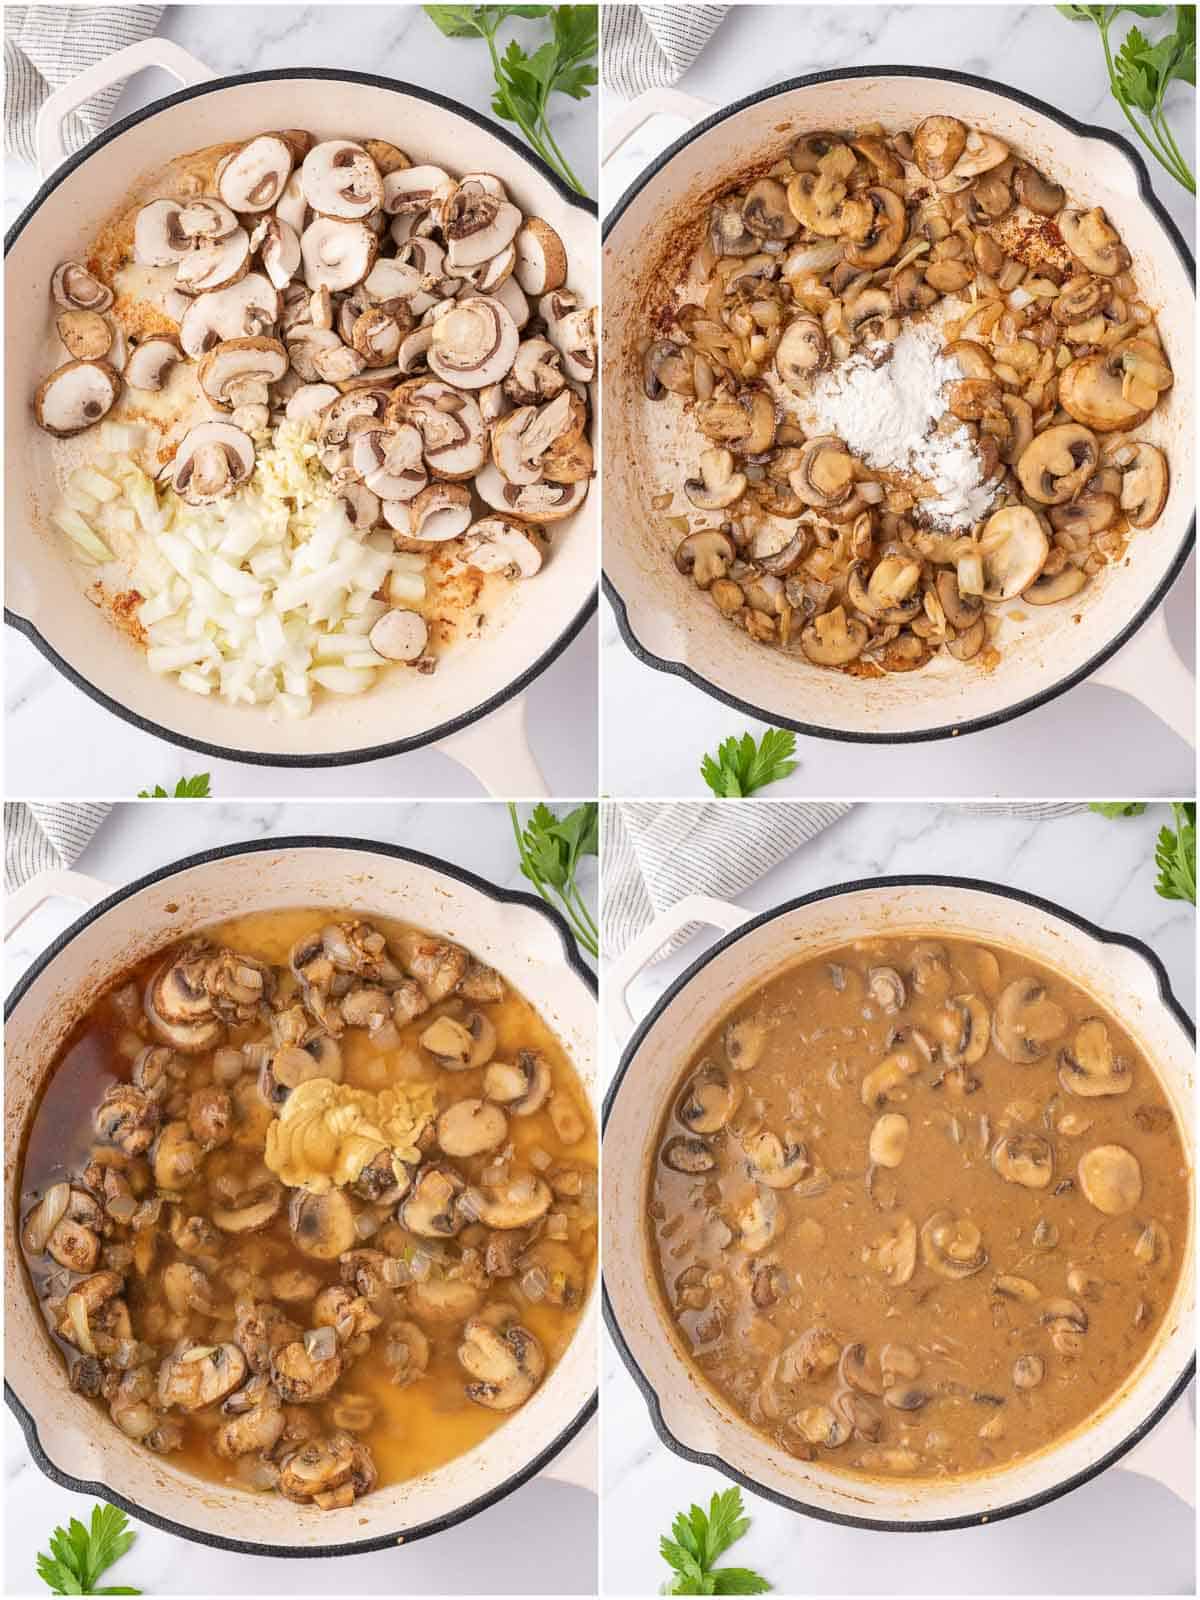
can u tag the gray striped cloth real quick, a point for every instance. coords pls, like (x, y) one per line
(44, 836)
(656, 852)
(650, 47)
(45, 47)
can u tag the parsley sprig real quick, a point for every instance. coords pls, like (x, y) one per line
(565, 64)
(78, 1556)
(1141, 71)
(186, 789)
(1175, 851)
(551, 849)
(740, 766)
(697, 1540)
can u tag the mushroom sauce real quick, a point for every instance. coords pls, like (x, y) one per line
(310, 1203)
(815, 263)
(918, 1208)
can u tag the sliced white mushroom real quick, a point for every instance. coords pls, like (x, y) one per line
(535, 502)
(536, 374)
(451, 425)
(400, 636)
(215, 265)
(474, 344)
(478, 223)
(497, 544)
(521, 439)
(340, 180)
(440, 511)
(571, 329)
(254, 177)
(278, 246)
(309, 400)
(75, 396)
(76, 289)
(337, 255)
(305, 343)
(414, 189)
(514, 302)
(244, 309)
(158, 237)
(490, 276)
(1013, 548)
(86, 336)
(149, 365)
(207, 219)
(212, 460)
(376, 336)
(239, 372)
(541, 259)
(389, 462)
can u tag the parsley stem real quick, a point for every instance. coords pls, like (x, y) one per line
(563, 164)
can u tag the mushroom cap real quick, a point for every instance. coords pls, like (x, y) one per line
(1144, 484)
(74, 288)
(235, 366)
(253, 178)
(474, 344)
(1111, 1179)
(413, 189)
(75, 396)
(1057, 463)
(337, 255)
(400, 635)
(1091, 390)
(937, 144)
(340, 180)
(212, 460)
(1013, 547)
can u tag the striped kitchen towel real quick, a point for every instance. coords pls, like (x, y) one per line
(656, 852)
(650, 47)
(45, 47)
(44, 836)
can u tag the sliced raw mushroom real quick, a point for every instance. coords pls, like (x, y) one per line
(150, 363)
(1089, 1066)
(340, 180)
(75, 288)
(75, 396)
(337, 255)
(543, 502)
(571, 329)
(86, 335)
(441, 511)
(474, 344)
(496, 544)
(471, 1127)
(536, 375)
(505, 1364)
(215, 265)
(399, 635)
(254, 177)
(1026, 1021)
(240, 372)
(248, 307)
(278, 246)
(213, 459)
(541, 265)
(478, 222)
(158, 236)
(1111, 1179)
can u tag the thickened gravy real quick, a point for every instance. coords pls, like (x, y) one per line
(309, 1203)
(918, 1207)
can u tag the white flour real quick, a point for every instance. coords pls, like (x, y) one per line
(887, 414)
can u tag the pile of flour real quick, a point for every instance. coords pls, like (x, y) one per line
(885, 405)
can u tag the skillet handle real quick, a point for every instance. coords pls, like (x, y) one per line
(54, 885)
(1167, 1455)
(619, 974)
(620, 129)
(122, 64)
(497, 752)
(1149, 669)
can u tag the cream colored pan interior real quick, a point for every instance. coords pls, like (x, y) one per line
(652, 446)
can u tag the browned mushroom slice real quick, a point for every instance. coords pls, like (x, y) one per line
(1026, 1021)
(1144, 483)
(718, 485)
(322, 1224)
(824, 474)
(197, 1375)
(1057, 463)
(470, 1128)
(709, 1101)
(980, 153)
(431, 1208)
(1024, 1158)
(937, 144)
(952, 1246)
(1013, 548)
(1089, 1066)
(506, 1365)
(1037, 192)
(834, 639)
(705, 556)
(75, 396)
(885, 234)
(1091, 238)
(801, 352)
(1111, 1179)
(1052, 588)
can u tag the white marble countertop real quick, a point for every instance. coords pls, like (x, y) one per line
(1120, 1534)
(542, 1538)
(45, 715)
(1045, 752)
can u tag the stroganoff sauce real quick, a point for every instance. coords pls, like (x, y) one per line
(918, 1208)
(411, 1422)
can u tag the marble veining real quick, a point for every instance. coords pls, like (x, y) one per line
(1079, 1545)
(493, 1553)
(45, 714)
(1030, 48)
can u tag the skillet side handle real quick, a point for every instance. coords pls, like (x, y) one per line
(122, 64)
(497, 752)
(1149, 669)
(642, 950)
(55, 885)
(620, 129)
(1168, 1453)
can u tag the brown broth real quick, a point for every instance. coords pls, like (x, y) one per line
(425, 1423)
(773, 1324)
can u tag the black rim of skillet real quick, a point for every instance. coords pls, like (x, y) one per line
(404, 1536)
(394, 747)
(992, 719)
(702, 1458)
